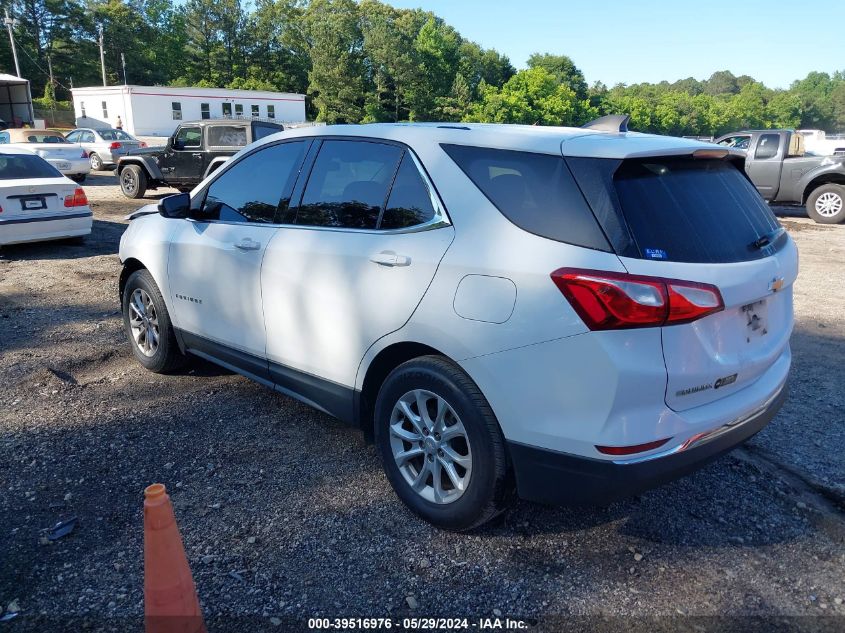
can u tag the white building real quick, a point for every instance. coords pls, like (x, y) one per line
(157, 110)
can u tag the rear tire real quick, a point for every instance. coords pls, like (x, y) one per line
(465, 445)
(133, 181)
(96, 162)
(826, 204)
(148, 326)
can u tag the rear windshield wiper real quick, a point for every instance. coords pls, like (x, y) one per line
(768, 238)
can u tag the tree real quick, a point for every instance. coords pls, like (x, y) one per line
(532, 96)
(563, 69)
(436, 47)
(720, 83)
(337, 63)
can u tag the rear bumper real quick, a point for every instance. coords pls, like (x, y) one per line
(50, 227)
(560, 478)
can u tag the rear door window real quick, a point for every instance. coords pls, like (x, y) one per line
(348, 184)
(226, 136)
(410, 199)
(693, 210)
(534, 191)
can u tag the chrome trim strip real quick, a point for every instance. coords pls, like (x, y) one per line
(707, 436)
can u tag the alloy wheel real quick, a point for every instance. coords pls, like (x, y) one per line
(430, 446)
(143, 321)
(96, 163)
(829, 204)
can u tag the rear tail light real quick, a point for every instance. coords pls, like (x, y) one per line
(143, 144)
(614, 301)
(84, 154)
(77, 199)
(114, 145)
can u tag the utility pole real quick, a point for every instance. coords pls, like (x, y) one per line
(102, 55)
(9, 22)
(52, 89)
(123, 63)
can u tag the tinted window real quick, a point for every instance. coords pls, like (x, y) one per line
(409, 203)
(257, 187)
(767, 146)
(688, 210)
(226, 135)
(4, 137)
(261, 130)
(348, 184)
(534, 191)
(37, 137)
(72, 136)
(189, 137)
(16, 166)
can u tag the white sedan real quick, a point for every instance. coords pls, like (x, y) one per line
(69, 158)
(37, 202)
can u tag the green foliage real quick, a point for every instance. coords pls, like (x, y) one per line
(533, 97)
(368, 61)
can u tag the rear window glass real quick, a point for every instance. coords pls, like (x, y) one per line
(17, 166)
(115, 135)
(36, 137)
(688, 210)
(534, 191)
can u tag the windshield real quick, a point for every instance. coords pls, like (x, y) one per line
(18, 166)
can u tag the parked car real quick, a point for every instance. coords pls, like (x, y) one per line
(37, 202)
(104, 146)
(196, 149)
(783, 173)
(574, 313)
(69, 158)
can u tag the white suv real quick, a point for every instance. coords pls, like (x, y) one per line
(573, 314)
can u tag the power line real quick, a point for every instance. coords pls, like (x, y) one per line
(38, 66)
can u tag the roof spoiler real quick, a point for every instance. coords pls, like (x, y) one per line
(609, 123)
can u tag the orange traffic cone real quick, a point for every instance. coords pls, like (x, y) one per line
(170, 596)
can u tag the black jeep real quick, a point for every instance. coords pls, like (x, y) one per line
(195, 150)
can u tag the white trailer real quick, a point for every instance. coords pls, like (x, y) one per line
(157, 110)
(15, 101)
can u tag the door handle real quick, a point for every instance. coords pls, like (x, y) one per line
(247, 244)
(197, 155)
(389, 258)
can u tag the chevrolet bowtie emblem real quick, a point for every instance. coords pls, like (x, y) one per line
(776, 284)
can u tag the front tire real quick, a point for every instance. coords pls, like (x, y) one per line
(80, 178)
(148, 326)
(441, 445)
(826, 204)
(133, 182)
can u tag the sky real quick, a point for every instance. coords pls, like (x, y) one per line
(774, 41)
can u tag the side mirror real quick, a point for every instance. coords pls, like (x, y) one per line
(176, 206)
(177, 144)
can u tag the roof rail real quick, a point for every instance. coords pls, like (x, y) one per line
(609, 123)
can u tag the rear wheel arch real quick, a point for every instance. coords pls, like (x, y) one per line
(378, 370)
(825, 179)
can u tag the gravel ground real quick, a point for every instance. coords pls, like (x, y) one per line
(285, 513)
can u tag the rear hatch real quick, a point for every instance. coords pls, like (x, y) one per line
(701, 220)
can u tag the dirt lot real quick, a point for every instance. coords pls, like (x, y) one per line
(285, 512)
